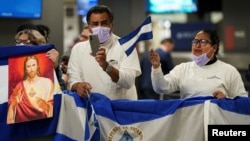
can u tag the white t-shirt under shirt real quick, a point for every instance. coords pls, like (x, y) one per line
(193, 80)
(83, 67)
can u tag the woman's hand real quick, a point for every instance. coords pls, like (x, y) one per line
(154, 58)
(53, 55)
(219, 95)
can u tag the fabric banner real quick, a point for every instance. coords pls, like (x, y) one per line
(26, 121)
(146, 120)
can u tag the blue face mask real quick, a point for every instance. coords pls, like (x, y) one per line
(201, 60)
(102, 32)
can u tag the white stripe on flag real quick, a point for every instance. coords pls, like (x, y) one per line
(143, 32)
(4, 84)
(71, 120)
(206, 118)
(163, 128)
(144, 29)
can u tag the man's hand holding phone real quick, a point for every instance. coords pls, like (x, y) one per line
(95, 46)
(94, 43)
(101, 58)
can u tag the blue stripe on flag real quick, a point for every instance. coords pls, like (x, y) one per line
(3, 61)
(31, 129)
(143, 32)
(92, 129)
(91, 120)
(234, 105)
(129, 111)
(8, 51)
(79, 101)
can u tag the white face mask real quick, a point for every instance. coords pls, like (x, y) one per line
(102, 32)
(21, 44)
(201, 60)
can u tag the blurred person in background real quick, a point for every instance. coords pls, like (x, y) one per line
(248, 73)
(247, 76)
(64, 68)
(44, 30)
(84, 36)
(145, 86)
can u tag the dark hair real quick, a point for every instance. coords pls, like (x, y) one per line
(170, 40)
(44, 30)
(213, 37)
(65, 58)
(26, 26)
(100, 9)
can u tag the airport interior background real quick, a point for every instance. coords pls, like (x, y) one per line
(66, 20)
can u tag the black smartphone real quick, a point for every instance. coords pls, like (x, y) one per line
(94, 43)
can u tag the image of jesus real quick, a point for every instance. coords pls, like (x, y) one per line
(31, 98)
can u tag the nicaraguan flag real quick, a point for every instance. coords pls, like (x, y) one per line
(146, 120)
(28, 129)
(77, 119)
(143, 32)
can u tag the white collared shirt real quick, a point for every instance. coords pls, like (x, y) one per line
(83, 67)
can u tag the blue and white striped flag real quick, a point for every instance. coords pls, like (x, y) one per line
(8, 69)
(143, 32)
(146, 120)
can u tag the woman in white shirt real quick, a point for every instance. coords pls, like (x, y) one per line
(204, 76)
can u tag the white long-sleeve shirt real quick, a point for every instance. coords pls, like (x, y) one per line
(193, 80)
(83, 67)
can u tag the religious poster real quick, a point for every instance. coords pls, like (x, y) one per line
(31, 88)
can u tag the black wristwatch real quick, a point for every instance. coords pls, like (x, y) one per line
(109, 68)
